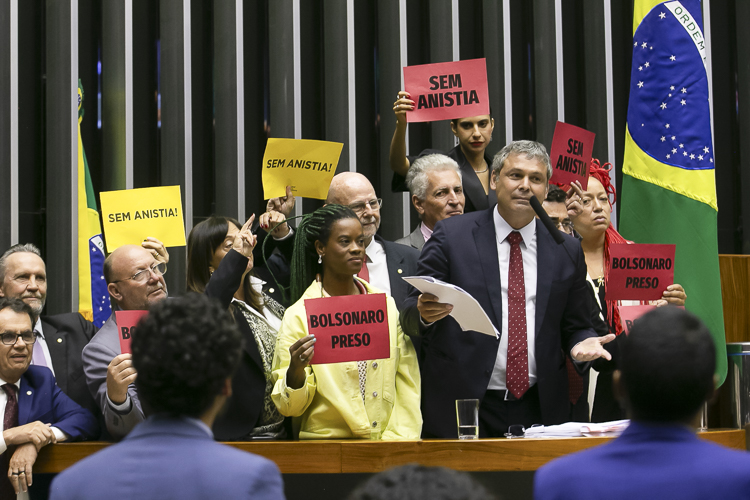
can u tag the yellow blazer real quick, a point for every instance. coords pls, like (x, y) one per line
(330, 404)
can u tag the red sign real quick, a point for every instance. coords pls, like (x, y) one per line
(349, 328)
(639, 272)
(126, 324)
(570, 154)
(445, 91)
(628, 314)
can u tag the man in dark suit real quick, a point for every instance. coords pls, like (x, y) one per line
(436, 192)
(387, 262)
(35, 411)
(185, 352)
(60, 338)
(666, 374)
(533, 291)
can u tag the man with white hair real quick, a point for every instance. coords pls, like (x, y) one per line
(434, 182)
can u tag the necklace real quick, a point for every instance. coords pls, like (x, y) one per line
(482, 171)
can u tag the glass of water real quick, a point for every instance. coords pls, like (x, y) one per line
(467, 416)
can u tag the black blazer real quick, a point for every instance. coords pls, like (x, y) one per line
(457, 364)
(242, 410)
(402, 261)
(476, 199)
(66, 336)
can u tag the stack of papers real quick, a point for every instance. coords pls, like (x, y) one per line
(578, 429)
(466, 310)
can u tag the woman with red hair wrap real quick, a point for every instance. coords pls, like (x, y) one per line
(593, 209)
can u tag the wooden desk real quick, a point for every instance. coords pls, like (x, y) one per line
(333, 457)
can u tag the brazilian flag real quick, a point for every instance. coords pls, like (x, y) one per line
(93, 298)
(669, 189)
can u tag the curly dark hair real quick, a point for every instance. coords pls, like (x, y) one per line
(183, 351)
(418, 481)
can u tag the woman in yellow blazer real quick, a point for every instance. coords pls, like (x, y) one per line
(375, 399)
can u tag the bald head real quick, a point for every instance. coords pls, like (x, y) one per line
(354, 190)
(133, 294)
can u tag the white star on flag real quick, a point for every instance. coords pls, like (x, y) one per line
(672, 58)
(640, 68)
(684, 153)
(711, 160)
(667, 125)
(684, 90)
(635, 44)
(663, 138)
(662, 15)
(674, 150)
(692, 156)
(682, 101)
(700, 157)
(667, 157)
(644, 45)
(647, 64)
(671, 88)
(664, 105)
(682, 145)
(705, 150)
(640, 85)
(673, 138)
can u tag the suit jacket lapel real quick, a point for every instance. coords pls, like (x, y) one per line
(58, 352)
(24, 400)
(486, 243)
(546, 260)
(416, 239)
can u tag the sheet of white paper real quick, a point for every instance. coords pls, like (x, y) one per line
(578, 429)
(466, 310)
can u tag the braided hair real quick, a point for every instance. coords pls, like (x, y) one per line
(314, 227)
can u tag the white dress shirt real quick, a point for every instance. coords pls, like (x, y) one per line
(528, 252)
(41, 343)
(377, 266)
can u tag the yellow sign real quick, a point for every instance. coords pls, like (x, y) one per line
(131, 215)
(307, 166)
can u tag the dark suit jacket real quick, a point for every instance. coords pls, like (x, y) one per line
(402, 261)
(242, 410)
(476, 199)
(457, 364)
(40, 399)
(66, 336)
(648, 462)
(169, 458)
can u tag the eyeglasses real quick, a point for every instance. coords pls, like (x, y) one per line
(563, 225)
(359, 208)
(144, 274)
(9, 338)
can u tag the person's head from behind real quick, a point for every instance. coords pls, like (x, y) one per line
(554, 205)
(330, 241)
(434, 182)
(135, 279)
(474, 133)
(185, 352)
(519, 171)
(355, 191)
(417, 481)
(23, 275)
(17, 338)
(667, 367)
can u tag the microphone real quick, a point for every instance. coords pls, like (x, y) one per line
(556, 234)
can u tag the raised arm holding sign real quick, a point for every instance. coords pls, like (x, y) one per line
(306, 166)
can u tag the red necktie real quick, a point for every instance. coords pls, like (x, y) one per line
(10, 419)
(575, 382)
(364, 273)
(517, 368)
